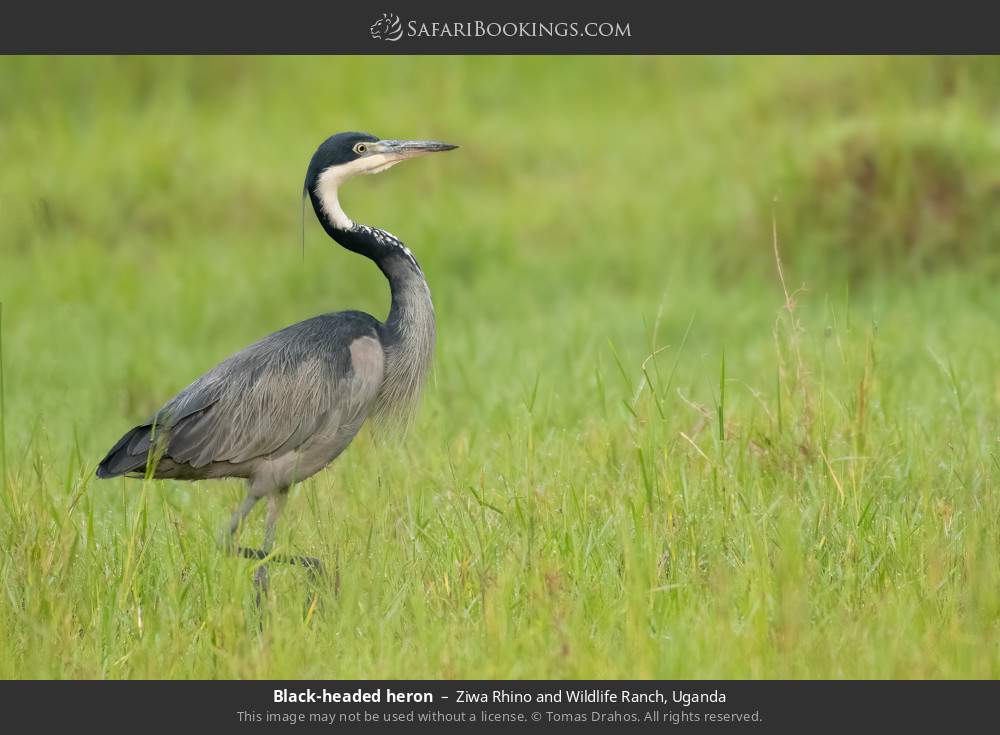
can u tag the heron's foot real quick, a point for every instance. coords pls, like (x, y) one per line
(314, 567)
(311, 563)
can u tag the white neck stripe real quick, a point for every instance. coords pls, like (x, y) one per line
(327, 187)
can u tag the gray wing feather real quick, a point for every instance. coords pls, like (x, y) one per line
(274, 395)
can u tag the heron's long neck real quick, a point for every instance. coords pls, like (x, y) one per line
(409, 332)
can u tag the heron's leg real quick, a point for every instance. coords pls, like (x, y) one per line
(276, 500)
(275, 504)
(236, 522)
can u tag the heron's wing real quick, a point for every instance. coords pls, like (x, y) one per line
(270, 398)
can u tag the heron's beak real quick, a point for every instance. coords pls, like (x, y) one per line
(400, 150)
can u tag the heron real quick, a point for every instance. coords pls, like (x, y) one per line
(279, 411)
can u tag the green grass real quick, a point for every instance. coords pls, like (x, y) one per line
(639, 455)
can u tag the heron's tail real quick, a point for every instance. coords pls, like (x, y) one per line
(128, 455)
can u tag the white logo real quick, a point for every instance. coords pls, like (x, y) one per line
(387, 28)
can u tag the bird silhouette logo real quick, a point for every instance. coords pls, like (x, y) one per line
(387, 28)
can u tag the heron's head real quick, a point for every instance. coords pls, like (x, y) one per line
(348, 154)
(345, 155)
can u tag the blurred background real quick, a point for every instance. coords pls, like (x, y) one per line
(147, 197)
(587, 190)
(601, 252)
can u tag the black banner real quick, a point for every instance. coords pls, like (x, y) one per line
(376, 706)
(450, 27)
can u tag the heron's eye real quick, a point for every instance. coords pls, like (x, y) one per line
(360, 147)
